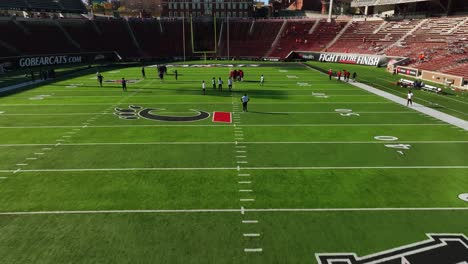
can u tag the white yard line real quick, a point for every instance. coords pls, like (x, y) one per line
(233, 143)
(184, 211)
(236, 168)
(251, 235)
(184, 126)
(253, 249)
(360, 112)
(51, 114)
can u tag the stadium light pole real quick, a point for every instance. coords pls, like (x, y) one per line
(330, 11)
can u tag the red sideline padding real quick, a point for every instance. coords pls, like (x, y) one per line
(223, 117)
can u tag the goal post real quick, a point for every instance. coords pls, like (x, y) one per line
(203, 32)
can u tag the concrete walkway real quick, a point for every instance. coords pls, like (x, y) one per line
(418, 107)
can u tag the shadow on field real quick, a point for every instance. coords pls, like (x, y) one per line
(263, 93)
(267, 113)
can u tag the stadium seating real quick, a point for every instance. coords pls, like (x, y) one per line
(358, 38)
(443, 41)
(459, 70)
(66, 6)
(300, 39)
(84, 33)
(293, 37)
(45, 35)
(250, 38)
(115, 36)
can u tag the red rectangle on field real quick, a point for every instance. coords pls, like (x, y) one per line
(223, 117)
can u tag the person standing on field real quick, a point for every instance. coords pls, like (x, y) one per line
(124, 85)
(203, 87)
(230, 84)
(220, 84)
(410, 98)
(213, 82)
(262, 80)
(245, 100)
(100, 78)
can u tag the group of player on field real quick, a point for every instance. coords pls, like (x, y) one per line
(345, 74)
(233, 76)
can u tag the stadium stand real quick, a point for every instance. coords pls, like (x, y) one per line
(293, 37)
(65, 6)
(251, 38)
(20, 34)
(358, 38)
(435, 44)
(115, 35)
(316, 38)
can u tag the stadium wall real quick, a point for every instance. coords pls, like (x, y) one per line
(442, 78)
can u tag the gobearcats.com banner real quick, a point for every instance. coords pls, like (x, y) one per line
(49, 60)
(56, 60)
(346, 58)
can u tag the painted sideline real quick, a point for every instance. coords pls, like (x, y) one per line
(418, 107)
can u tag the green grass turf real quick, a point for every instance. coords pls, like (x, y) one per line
(451, 102)
(95, 161)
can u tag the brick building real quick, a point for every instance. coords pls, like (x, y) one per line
(197, 8)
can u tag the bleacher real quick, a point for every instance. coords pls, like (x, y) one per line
(115, 36)
(62, 6)
(358, 38)
(85, 34)
(324, 34)
(444, 41)
(459, 70)
(249, 38)
(293, 38)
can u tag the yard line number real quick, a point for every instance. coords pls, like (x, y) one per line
(399, 147)
(346, 112)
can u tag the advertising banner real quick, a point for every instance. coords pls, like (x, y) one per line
(55, 60)
(407, 71)
(345, 58)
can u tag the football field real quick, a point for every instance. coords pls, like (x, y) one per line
(98, 175)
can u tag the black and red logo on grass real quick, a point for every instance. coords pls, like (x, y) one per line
(136, 112)
(438, 249)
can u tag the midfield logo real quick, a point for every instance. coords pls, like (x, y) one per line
(135, 112)
(438, 249)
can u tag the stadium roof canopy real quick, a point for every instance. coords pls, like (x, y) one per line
(62, 6)
(359, 3)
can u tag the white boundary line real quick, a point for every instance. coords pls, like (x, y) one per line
(236, 168)
(224, 126)
(202, 103)
(417, 107)
(239, 210)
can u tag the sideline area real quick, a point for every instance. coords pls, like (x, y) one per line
(418, 107)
